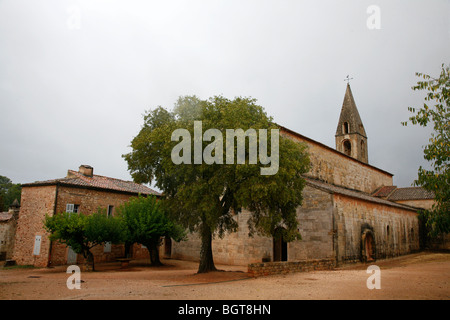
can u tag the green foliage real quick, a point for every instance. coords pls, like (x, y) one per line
(145, 222)
(8, 193)
(83, 232)
(205, 197)
(437, 152)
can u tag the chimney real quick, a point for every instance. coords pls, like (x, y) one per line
(86, 170)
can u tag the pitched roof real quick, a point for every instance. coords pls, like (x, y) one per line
(397, 194)
(5, 216)
(411, 193)
(384, 192)
(76, 179)
(350, 114)
(305, 138)
(331, 188)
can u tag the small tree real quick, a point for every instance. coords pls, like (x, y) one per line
(146, 223)
(84, 232)
(437, 152)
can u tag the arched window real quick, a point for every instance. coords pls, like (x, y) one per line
(363, 149)
(347, 147)
(346, 128)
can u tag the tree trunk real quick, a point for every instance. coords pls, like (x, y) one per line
(154, 254)
(128, 252)
(206, 255)
(89, 261)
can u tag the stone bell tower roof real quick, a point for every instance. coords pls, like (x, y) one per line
(351, 138)
(350, 116)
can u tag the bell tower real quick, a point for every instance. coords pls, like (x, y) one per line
(351, 137)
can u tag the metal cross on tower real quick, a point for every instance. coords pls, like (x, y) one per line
(348, 79)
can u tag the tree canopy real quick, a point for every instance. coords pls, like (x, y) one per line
(146, 223)
(435, 111)
(9, 192)
(205, 195)
(83, 232)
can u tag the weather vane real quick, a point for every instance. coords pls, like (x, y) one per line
(348, 79)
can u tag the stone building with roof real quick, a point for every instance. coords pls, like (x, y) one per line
(79, 192)
(416, 197)
(8, 225)
(339, 219)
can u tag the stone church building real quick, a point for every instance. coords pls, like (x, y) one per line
(340, 218)
(351, 211)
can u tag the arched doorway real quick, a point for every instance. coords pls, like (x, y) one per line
(167, 247)
(279, 249)
(368, 248)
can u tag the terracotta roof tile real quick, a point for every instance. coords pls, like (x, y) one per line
(411, 193)
(384, 191)
(5, 216)
(353, 193)
(99, 182)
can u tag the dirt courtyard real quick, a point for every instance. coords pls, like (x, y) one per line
(420, 276)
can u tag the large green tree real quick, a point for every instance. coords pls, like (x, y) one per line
(84, 232)
(9, 192)
(205, 195)
(436, 112)
(146, 223)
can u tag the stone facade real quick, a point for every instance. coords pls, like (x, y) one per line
(284, 267)
(8, 225)
(334, 167)
(340, 218)
(333, 224)
(394, 230)
(52, 197)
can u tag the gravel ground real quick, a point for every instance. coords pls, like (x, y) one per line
(421, 276)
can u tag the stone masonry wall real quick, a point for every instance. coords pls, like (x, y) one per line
(316, 227)
(425, 204)
(35, 204)
(37, 201)
(284, 267)
(315, 217)
(395, 230)
(336, 168)
(89, 201)
(7, 237)
(235, 248)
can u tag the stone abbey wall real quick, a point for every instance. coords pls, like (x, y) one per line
(336, 168)
(395, 230)
(332, 226)
(235, 248)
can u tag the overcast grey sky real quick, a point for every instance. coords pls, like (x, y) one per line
(76, 76)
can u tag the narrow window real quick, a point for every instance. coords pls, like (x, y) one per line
(346, 127)
(347, 147)
(110, 210)
(107, 247)
(363, 149)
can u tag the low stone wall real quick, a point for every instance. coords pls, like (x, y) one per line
(283, 267)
